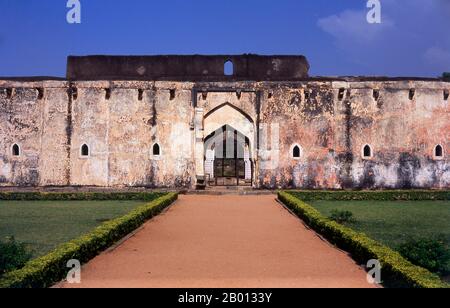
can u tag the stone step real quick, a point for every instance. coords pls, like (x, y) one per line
(229, 191)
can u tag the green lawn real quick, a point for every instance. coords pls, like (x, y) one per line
(43, 225)
(393, 222)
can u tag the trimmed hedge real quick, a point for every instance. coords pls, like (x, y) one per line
(51, 268)
(381, 195)
(79, 196)
(396, 270)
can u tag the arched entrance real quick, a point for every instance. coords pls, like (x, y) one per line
(228, 158)
(228, 146)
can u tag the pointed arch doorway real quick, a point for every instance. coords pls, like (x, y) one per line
(228, 158)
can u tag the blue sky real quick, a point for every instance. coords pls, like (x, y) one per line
(412, 40)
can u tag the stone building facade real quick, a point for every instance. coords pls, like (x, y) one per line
(183, 122)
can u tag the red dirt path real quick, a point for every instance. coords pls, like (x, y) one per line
(223, 241)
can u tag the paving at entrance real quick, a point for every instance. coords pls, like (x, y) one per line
(223, 241)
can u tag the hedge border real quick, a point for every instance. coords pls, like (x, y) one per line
(379, 195)
(45, 271)
(78, 196)
(396, 270)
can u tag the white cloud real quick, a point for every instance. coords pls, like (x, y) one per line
(412, 39)
(352, 25)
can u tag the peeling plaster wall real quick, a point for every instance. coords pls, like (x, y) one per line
(120, 132)
(330, 125)
(21, 124)
(332, 132)
(90, 126)
(401, 131)
(305, 115)
(173, 119)
(54, 164)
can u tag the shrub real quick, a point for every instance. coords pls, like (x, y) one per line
(396, 270)
(13, 255)
(379, 195)
(342, 217)
(430, 253)
(46, 270)
(79, 196)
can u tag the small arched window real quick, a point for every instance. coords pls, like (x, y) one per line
(84, 150)
(156, 151)
(367, 151)
(296, 152)
(438, 151)
(228, 68)
(15, 150)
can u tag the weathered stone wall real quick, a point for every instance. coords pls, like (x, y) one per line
(38, 126)
(401, 127)
(305, 116)
(119, 131)
(122, 129)
(120, 121)
(187, 67)
(333, 121)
